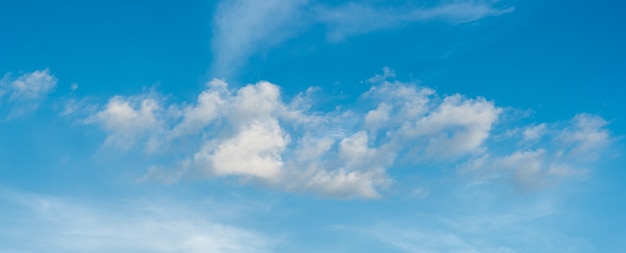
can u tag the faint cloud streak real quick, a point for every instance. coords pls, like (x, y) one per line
(243, 28)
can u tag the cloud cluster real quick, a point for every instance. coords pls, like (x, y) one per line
(253, 134)
(242, 28)
(26, 91)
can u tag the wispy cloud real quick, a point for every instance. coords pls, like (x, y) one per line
(471, 219)
(243, 28)
(40, 223)
(128, 118)
(353, 19)
(26, 91)
(503, 231)
(548, 151)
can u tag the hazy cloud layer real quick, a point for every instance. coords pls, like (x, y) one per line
(502, 231)
(53, 224)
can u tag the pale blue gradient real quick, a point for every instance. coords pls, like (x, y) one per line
(64, 188)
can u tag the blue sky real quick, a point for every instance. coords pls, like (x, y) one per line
(312, 126)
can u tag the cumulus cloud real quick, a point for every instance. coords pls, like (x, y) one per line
(243, 28)
(254, 134)
(254, 151)
(448, 128)
(207, 109)
(457, 126)
(26, 91)
(66, 225)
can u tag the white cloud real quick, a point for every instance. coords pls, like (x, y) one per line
(529, 169)
(378, 116)
(458, 126)
(32, 86)
(435, 129)
(568, 151)
(26, 91)
(340, 183)
(408, 99)
(585, 136)
(54, 224)
(354, 148)
(204, 112)
(254, 151)
(127, 119)
(251, 133)
(526, 165)
(255, 102)
(533, 133)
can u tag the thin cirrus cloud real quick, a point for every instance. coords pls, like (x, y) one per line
(353, 19)
(26, 91)
(69, 225)
(242, 28)
(481, 232)
(252, 133)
